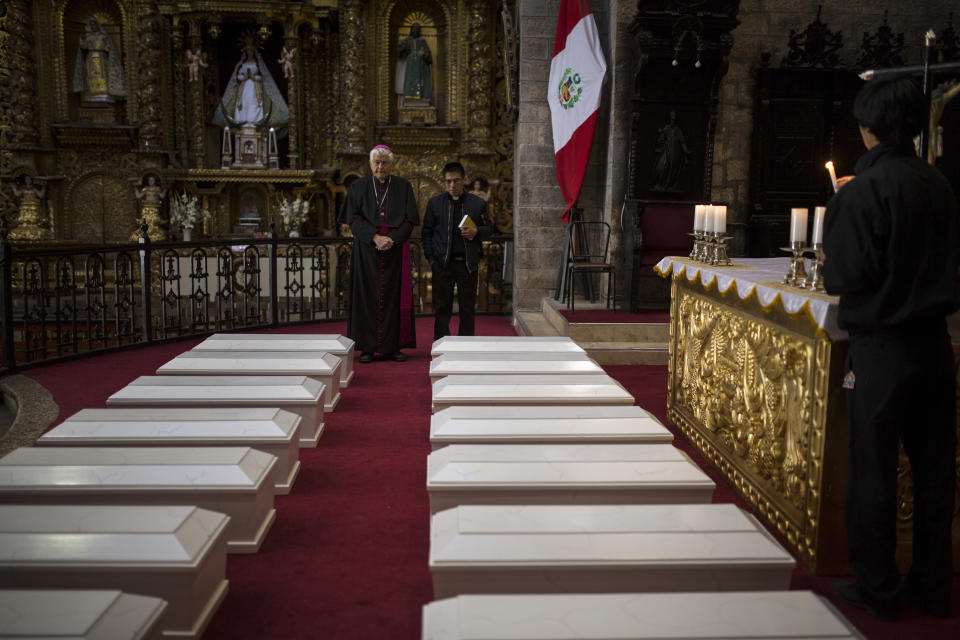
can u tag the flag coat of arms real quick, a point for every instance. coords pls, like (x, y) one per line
(576, 78)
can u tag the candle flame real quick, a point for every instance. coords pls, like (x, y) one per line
(829, 164)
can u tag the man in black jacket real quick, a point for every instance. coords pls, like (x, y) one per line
(892, 245)
(454, 226)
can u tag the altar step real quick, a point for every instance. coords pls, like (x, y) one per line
(605, 342)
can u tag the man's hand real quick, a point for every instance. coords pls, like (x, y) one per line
(383, 243)
(842, 180)
(468, 233)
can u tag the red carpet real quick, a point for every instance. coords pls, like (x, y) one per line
(620, 317)
(347, 556)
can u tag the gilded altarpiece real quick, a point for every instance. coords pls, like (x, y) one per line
(758, 392)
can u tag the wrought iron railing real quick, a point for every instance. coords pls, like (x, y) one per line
(61, 302)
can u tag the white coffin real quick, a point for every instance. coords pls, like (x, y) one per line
(177, 554)
(272, 431)
(757, 615)
(603, 549)
(583, 389)
(236, 481)
(560, 424)
(504, 344)
(325, 367)
(79, 615)
(298, 394)
(563, 474)
(511, 363)
(338, 345)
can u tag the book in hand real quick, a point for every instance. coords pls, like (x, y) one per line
(467, 223)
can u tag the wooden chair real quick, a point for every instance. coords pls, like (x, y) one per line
(589, 244)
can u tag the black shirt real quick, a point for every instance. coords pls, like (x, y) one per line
(456, 238)
(892, 243)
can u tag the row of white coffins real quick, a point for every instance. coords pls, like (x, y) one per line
(561, 510)
(118, 524)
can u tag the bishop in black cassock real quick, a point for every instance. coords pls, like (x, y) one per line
(382, 212)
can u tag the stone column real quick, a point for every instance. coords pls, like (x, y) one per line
(291, 44)
(353, 115)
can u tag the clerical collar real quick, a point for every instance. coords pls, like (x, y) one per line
(454, 198)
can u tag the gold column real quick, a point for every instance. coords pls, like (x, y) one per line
(479, 81)
(197, 124)
(179, 90)
(291, 44)
(148, 87)
(17, 63)
(352, 82)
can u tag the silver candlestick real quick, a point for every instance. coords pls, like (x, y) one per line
(797, 272)
(814, 280)
(697, 242)
(718, 249)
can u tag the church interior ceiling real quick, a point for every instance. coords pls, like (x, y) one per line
(110, 108)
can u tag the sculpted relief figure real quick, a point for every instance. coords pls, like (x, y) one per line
(672, 152)
(286, 61)
(413, 67)
(98, 71)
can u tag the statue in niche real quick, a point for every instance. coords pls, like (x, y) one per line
(195, 62)
(413, 68)
(672, 154)
(98, 71)
(252, 97)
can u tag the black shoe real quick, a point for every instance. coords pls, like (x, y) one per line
(396, 356)
(366, 356)
(850, 593)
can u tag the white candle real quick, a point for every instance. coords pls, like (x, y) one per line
(833, 175)
(699, 217)
(720, 218)
(818, 214)
(798, 225)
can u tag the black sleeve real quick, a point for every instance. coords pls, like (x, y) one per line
(352, 214)
(484, 224)
(427, 231)
(853, 239)
(411, 217)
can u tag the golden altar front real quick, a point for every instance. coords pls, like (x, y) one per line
(754, 382)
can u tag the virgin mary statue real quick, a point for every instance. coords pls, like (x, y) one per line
(252, 97)
(98, 71)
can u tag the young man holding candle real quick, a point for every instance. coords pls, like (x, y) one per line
(892, 246)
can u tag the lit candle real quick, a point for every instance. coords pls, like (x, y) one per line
(699, 217)
(798, 225)
(833, 175)
(711, 216)
(818, 214)
(720, 219)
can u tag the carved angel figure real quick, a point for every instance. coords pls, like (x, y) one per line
(195, 62)
(286, 61)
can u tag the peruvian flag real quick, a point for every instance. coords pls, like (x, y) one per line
(576, 76)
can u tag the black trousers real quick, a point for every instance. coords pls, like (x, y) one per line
(455, 273)
(905, 391)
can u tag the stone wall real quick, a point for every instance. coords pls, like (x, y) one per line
(765, 27)
(538, 204)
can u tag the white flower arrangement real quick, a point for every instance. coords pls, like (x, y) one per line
(293, 213)
(185, 210)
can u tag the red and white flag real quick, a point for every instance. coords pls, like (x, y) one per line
(576, 77)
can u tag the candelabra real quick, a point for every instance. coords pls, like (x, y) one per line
(697, 248)
(796, 273)
(814, 280)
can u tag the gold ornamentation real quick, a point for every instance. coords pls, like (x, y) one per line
(148, 88)
(752, 396)
(479, 81)
(353, 105)
(19, 106)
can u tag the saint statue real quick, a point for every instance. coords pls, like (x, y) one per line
(98, 71)
(195, 62)
(413, 67)
(30, 222)
(672, 152)
(151, 199)
(252, 97)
